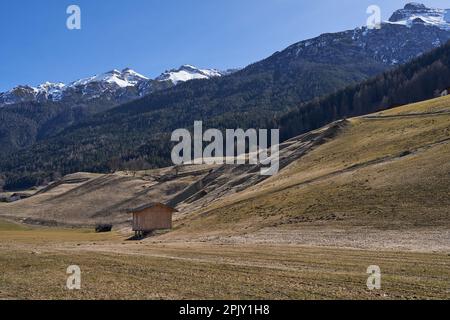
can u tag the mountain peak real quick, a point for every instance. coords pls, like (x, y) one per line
(414, 6)
(417, 13)
(128, 70)
(48, 84)
(114, 71)
(188, 72)
(188, 66)
(125, 78)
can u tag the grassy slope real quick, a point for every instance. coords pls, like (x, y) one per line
(97, 198)
(386, 170)
(8, 226)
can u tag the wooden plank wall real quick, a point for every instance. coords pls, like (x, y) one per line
(155, 218)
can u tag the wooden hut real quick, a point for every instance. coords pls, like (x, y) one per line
(151, 217)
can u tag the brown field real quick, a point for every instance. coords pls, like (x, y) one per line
(33, 265)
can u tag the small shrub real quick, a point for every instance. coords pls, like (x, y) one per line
(100, 228)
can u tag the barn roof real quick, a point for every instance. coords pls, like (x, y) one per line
(151, 205)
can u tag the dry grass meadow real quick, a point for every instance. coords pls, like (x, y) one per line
(33, 265)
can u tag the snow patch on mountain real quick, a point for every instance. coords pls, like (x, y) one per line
(125, 78)
(53, 91)
(45, 91)
(114, 82)
(187, 73)
(417, 13)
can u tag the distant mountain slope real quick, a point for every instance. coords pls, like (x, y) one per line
(30, 114)
(115, 86)
(135, 135)
(187, 73)
(417, 13)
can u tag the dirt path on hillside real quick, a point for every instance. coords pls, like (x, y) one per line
(407, 115)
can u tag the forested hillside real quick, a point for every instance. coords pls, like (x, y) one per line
(136, 135)
(421, 79)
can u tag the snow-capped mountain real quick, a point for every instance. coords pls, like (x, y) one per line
(116, 86)
(122, 79)
(113, 87)
(399, 40)
(45, 91)
(417, 13)
(187, 73)
(409, 32)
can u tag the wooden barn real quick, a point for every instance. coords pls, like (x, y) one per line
(151, 217)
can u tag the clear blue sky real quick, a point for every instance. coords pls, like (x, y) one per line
(151, 36)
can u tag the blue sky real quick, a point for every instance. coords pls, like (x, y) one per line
(151, 36)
